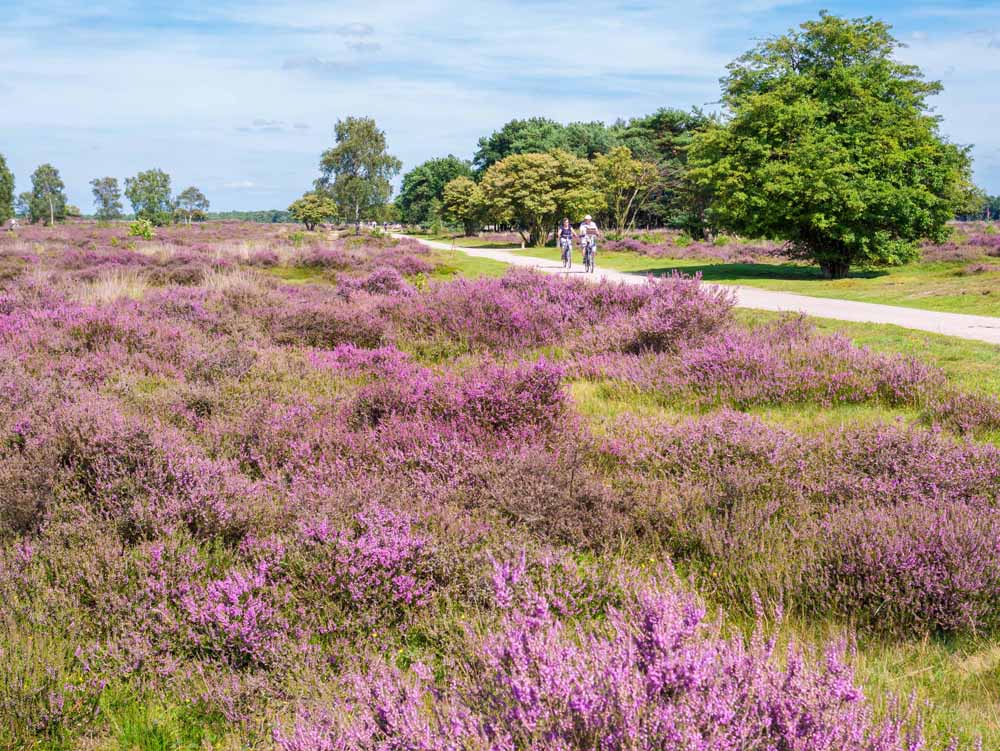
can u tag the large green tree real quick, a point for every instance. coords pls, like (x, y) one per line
(663, 138)
(627, 184)
(149, 194)
(107, 198)
(534, 191)
(425, 183)
(540, 134)
(534, 135)
(48, 196)
(357, 171)
(192, 203)
(6, 191)
(830, 146)
(463, 202)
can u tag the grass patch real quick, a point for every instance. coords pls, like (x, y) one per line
(135, 724)
(462, 241)
(299, 274)
(452, 263)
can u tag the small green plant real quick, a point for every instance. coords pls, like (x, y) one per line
(683, 240)
(297, 238)
(990, 229)
(141, 228)
(722, 240)
(115, 242)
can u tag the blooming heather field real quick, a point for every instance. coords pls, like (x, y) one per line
(381, 510)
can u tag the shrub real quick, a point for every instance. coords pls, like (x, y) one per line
(910, 568)
(142, 228)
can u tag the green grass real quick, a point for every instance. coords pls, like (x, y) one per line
(455, 263)
(299, 274)
(928, 286)
(462, 241)
(138, 725)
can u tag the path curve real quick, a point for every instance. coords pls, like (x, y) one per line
(981, 328)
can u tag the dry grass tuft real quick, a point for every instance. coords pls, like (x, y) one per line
(118, 285)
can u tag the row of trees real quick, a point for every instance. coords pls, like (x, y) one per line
(826, 142)
(148, 192)
(652, 148)
(533, 191)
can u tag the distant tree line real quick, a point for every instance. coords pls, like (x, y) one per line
(270, 216)
(148, 192)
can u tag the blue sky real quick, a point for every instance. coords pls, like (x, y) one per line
(239, 98)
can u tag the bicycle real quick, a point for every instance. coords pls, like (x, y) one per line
(567, 252)
(589, 251)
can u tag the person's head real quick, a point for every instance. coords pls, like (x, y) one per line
(565, 221)
(588, 218)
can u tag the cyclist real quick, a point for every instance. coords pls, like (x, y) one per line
(566, 235)
(588, 239)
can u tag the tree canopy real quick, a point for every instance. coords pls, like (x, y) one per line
(626, 183)
(48, 196)
(464, 203)
(358, 170)
(534, 191)
(661, 138)
(829, 145)
(149, 194)
(107, 198)
(425, 184)
(539, 135)
(313, 209)
(6, 191)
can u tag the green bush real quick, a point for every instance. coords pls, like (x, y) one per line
(682, 241)
(722, 240)
(141, 228)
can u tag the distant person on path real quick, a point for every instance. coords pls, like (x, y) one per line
(566, 235)
(588, 239)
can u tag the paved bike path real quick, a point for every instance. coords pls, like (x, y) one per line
(981, 328)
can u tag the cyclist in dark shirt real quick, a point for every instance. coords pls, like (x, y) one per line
(566, 235)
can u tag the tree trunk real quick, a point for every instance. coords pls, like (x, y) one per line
(835, 269)
(52, 213)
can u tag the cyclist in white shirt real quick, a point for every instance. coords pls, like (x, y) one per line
(588, 240)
